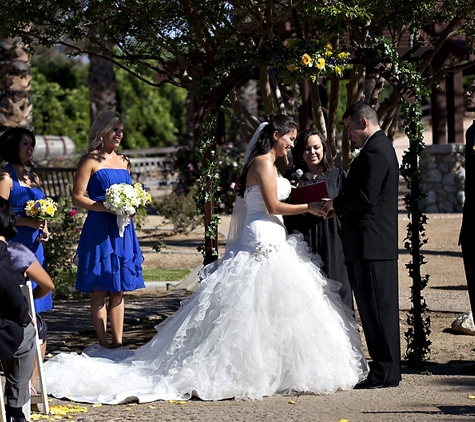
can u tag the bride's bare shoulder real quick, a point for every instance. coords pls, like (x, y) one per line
(264, 161)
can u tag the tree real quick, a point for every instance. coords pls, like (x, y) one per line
(154, 117)
(15, 89)
(61, 105)
(211, 47)
(60, 111)
(102, 86)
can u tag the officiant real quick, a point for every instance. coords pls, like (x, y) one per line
(311, 164)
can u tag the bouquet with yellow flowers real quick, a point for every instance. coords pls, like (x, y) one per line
(41, 209)
(125, 200)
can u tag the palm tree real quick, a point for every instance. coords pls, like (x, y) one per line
(15, 88)
(102, 86)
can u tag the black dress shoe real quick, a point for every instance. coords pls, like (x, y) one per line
(372, 385)
(368, 385)
(468, 369)
(16, 419)
(14, 414)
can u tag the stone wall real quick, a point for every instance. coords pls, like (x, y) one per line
(443, 178)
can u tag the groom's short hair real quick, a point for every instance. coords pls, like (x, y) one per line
(361, 109)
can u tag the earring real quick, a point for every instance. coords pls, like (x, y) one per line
(102, 142)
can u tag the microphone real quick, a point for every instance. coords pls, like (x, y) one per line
(296, 176)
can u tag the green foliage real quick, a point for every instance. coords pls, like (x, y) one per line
(208, 184)
(180, 210)
(60, 111)
(159, 246)
(56, 67)
(60, 96)
(60, 249)
(153, 116)
(229, 160)
(140, 217)
(417, 335)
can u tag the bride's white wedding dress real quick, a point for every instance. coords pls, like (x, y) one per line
(263, 321)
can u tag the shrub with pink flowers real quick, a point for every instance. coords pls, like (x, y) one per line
(179, 207)
(229, 160)
(229, 164)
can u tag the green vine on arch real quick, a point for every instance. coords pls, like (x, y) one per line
(411, 81)
(208, 184)
(417, 336)
(290, 61)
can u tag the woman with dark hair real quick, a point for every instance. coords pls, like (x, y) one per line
(263, 320)
(108, 264)
(311, 156)
(18, 184)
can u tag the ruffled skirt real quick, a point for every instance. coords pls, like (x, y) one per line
(106, 261)
(258, 324)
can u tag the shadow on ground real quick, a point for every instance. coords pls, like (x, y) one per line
(70, 325)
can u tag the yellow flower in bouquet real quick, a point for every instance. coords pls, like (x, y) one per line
(142, 193)
(41, 209)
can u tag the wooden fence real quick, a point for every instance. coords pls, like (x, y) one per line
(151, 171)
(56, 181)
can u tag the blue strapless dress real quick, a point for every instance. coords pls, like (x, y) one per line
(28, 236)
(106, 261)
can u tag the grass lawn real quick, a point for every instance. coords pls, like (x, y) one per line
(164, 274)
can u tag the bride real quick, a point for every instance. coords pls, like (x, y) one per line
(264, 320)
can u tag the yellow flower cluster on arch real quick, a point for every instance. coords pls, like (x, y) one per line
(300, 59)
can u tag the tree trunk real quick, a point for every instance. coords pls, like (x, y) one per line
(15, 88)
(102, 84)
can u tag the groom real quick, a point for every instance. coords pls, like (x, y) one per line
(367, 207)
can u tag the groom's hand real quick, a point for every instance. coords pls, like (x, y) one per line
(316, 208)
(327, 206)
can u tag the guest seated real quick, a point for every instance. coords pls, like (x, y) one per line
(17, 333)
(25, 263)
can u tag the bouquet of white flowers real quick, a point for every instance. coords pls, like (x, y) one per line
(125, 200)
(41, 209)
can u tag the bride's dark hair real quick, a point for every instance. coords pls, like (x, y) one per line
(281, 124)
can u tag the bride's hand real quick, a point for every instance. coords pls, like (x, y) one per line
(317, 208)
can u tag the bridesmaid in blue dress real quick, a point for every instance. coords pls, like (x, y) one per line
(108, 264)
(19, 185)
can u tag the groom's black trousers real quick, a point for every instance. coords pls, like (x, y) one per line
(375, 286)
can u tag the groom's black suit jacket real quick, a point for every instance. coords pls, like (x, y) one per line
(368, 205)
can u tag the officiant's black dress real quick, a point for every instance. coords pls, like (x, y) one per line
(323, 235)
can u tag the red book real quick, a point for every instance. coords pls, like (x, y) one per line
(310, 193)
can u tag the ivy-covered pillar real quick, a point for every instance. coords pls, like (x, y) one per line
(208, 183)
(417, 335)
